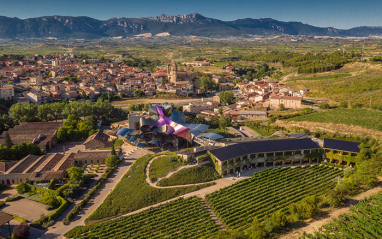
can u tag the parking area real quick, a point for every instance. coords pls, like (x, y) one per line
(68, 147)
(26, 208)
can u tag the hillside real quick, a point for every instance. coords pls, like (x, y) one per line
(176, 25)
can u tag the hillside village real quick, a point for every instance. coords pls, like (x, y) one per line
(50, 78)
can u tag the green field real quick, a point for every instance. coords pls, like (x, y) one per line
(182, 218)
(370, 119)
(197, 174)
(133, 193)
(324, 77)
(269, 191)
(364, 221)
(364, 87)
(160, 167)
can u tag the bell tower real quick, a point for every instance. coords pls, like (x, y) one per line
(172, 72)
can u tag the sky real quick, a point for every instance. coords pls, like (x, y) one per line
(341, 14)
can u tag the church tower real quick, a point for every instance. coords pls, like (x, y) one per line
(172, 72)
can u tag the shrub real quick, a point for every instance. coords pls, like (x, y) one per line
(52, 184)
(21, 231)
(10, 199)
(2, 204)
(111, 161)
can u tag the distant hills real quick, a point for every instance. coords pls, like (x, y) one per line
(176, 25)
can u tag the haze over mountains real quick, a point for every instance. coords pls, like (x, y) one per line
(176, 25)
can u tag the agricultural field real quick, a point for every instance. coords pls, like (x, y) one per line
(364, 221)
(182, 218)
(363, 85)
(160, 167)
(322, 77)
(197, 174)
(369, 119)
(269, 191)
(133, 193)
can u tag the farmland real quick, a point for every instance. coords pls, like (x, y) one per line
(364, 221)
(182, 218)
(133, 193)
(269, 191)
(370, 119)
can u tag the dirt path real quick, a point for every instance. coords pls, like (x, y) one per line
(285, 78)
(313, 226)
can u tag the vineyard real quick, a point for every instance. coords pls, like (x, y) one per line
(370, 119)
(269, 191)
(182, 218)
(364, 221)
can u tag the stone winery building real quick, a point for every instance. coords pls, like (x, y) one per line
(242, 156)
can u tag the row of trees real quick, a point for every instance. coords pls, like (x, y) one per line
(102, 110)
(15, 152)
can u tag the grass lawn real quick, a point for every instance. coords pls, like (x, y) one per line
(117, 143)
(222, 132)
(133, 193)
(197, 174)
(162, 166)
(370, 119)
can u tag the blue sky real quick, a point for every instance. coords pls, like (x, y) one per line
(337, 13)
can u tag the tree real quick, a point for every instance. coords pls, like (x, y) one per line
(21, 231)
(111, 161)
(23, 112)
(220, 111)
(281, 107)
(139, 93)
(279, 219)
(356, 106)
(8, 141)
(226, 97)
(75, 173)
(113, 150)
(207, 84)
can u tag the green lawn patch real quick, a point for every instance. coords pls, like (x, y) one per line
(133, 193)
(370, 119)
(197, 174)
(160, 167)
(117, 143)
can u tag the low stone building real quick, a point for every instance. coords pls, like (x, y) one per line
(242, 156)
(92, 157)
(98, 140)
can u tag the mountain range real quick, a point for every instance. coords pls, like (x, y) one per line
(177, 25)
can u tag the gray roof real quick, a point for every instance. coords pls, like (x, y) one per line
(264, 146)
(341, 145)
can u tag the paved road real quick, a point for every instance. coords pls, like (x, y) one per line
(248, 132)
(58, 229)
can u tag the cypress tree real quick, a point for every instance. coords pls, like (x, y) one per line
(8, 140)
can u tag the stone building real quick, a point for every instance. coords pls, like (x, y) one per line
(242, 156)
(341, 152)
(292, 102)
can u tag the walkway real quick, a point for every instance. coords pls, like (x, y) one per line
(57, 230)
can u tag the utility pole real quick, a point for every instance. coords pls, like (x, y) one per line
(363, 48)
